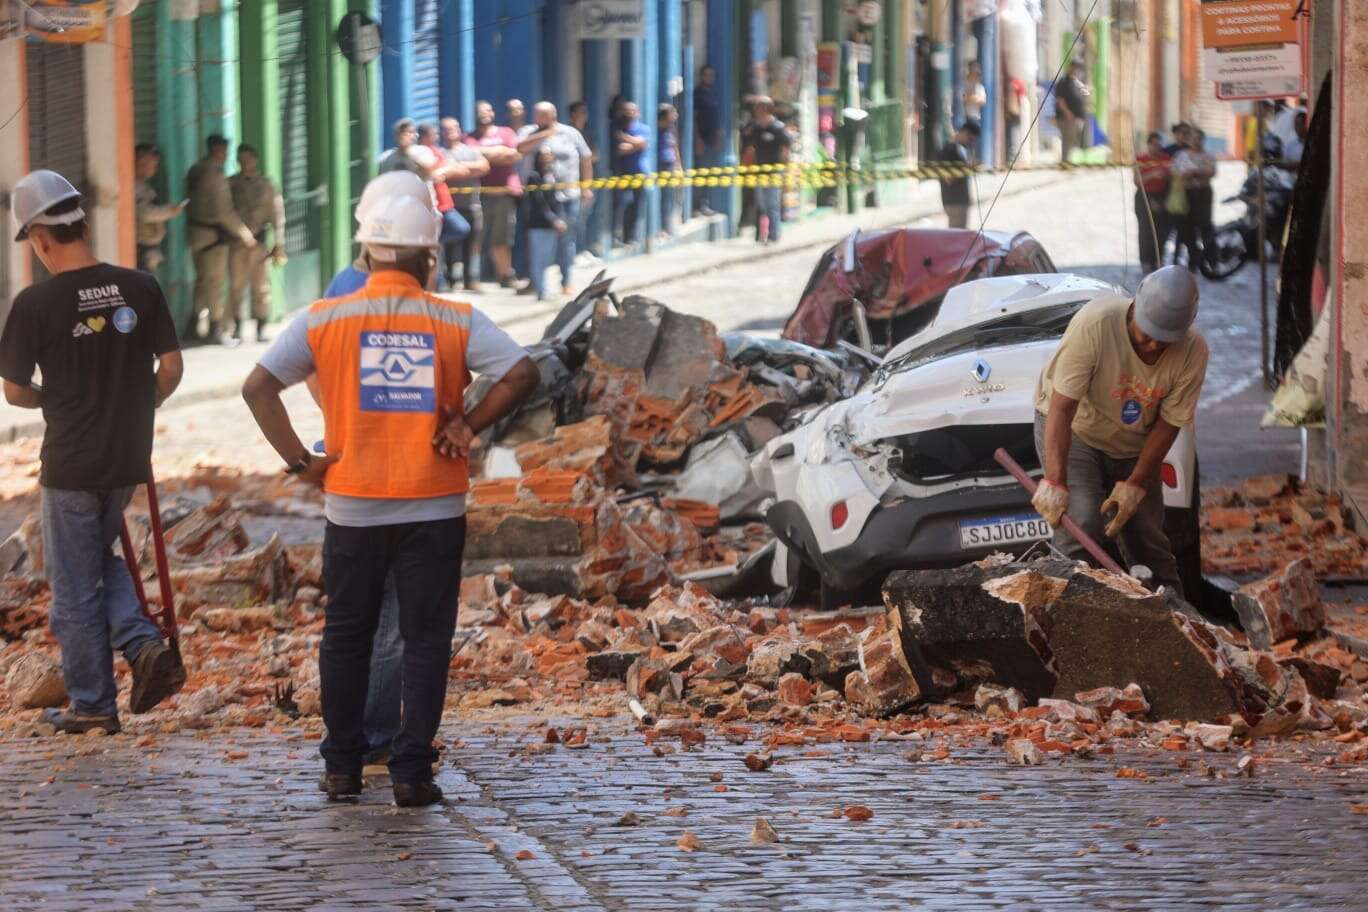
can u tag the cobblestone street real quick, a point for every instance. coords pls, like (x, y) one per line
(233, 819)
(197, 824)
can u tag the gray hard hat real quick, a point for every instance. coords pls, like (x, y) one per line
(1166, 304)
(36, 193)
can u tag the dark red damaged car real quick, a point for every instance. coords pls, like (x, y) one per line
(900, 276)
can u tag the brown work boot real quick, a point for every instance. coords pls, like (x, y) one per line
(157, 674)
(340, 786)
(416, 794)
(73, 723)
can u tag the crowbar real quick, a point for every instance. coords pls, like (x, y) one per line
(1005, 460)
(167, 621)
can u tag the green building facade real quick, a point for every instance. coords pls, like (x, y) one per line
(264, 72)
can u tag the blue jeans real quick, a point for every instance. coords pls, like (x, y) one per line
(565, 243)
(712, 197)
(454, 228)
(384, 697)
(668, 197)
(541, 252)
(627, 204)
(94, 606)
(425, 560)
(584, 226)
(769, 204)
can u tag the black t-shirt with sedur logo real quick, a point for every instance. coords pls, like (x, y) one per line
(95, 334)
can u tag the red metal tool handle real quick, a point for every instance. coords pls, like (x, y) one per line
(167, 622)
(1083, 538)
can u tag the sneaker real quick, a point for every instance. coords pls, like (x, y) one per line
(227, 341)
(341, 785)
(416, 794)
(471, 287)
(74, 723)
(508, 281)
(527, 289)
(261, 332)
(157, 674)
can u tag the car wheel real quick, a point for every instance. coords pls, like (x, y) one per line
(1227, 253)
(833, 599)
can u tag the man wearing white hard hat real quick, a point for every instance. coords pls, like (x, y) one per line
(1110, 403)
(105, 342)
(393, 362)
(384, 700)
(389, 185)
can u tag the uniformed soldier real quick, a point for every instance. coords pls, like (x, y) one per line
(213, 226)
(260, 206)
(393, 362)
(152, 218)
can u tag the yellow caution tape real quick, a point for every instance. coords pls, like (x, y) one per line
(804, 174)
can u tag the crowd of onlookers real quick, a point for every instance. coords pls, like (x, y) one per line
(515, 198)
(1173, 195)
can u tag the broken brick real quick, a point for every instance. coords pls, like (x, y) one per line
(1284, 605)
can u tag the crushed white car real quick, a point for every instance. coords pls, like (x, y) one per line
(901, 474)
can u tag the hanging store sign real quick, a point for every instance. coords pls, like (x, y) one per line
(64, 21)
(1248, 23)
(611, 20)
(359, 38)
(1253, 48)
(1250, 73)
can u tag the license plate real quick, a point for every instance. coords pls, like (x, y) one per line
(1002, 530)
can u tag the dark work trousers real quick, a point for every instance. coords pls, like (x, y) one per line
(425, 558)
(1195, 226)
(1092, 475)
(628, 203)
(1151, 235)
(467, 250)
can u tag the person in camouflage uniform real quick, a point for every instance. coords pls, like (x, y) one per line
(260, 206)
(213, 225)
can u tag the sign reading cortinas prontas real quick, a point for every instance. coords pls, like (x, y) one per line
(1248, 23)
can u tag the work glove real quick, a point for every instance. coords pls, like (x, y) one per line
(1124, 501)
(1052, 502)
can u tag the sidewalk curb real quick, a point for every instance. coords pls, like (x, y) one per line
(210, 394)
(740, 255)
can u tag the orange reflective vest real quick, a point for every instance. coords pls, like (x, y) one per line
(390, 358)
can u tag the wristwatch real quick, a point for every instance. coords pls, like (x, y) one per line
(300, 465)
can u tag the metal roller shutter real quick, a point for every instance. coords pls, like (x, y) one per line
(56, 106)
(56, 114)
(425, 98)
(145, 73)
(301, 223)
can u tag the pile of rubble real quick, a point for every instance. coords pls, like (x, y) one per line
(629, 468)
(1269, 520)
(1047, 657)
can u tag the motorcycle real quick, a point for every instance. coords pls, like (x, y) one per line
(1237, 242)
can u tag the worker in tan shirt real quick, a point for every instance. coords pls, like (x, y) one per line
(213, 226)
(1109, 405)
(260, 206)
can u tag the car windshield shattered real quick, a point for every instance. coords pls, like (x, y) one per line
(1026, 326)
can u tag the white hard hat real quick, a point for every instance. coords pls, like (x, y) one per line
(396, 224)
(36, 193)
(1166, 304)
(393, 185)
